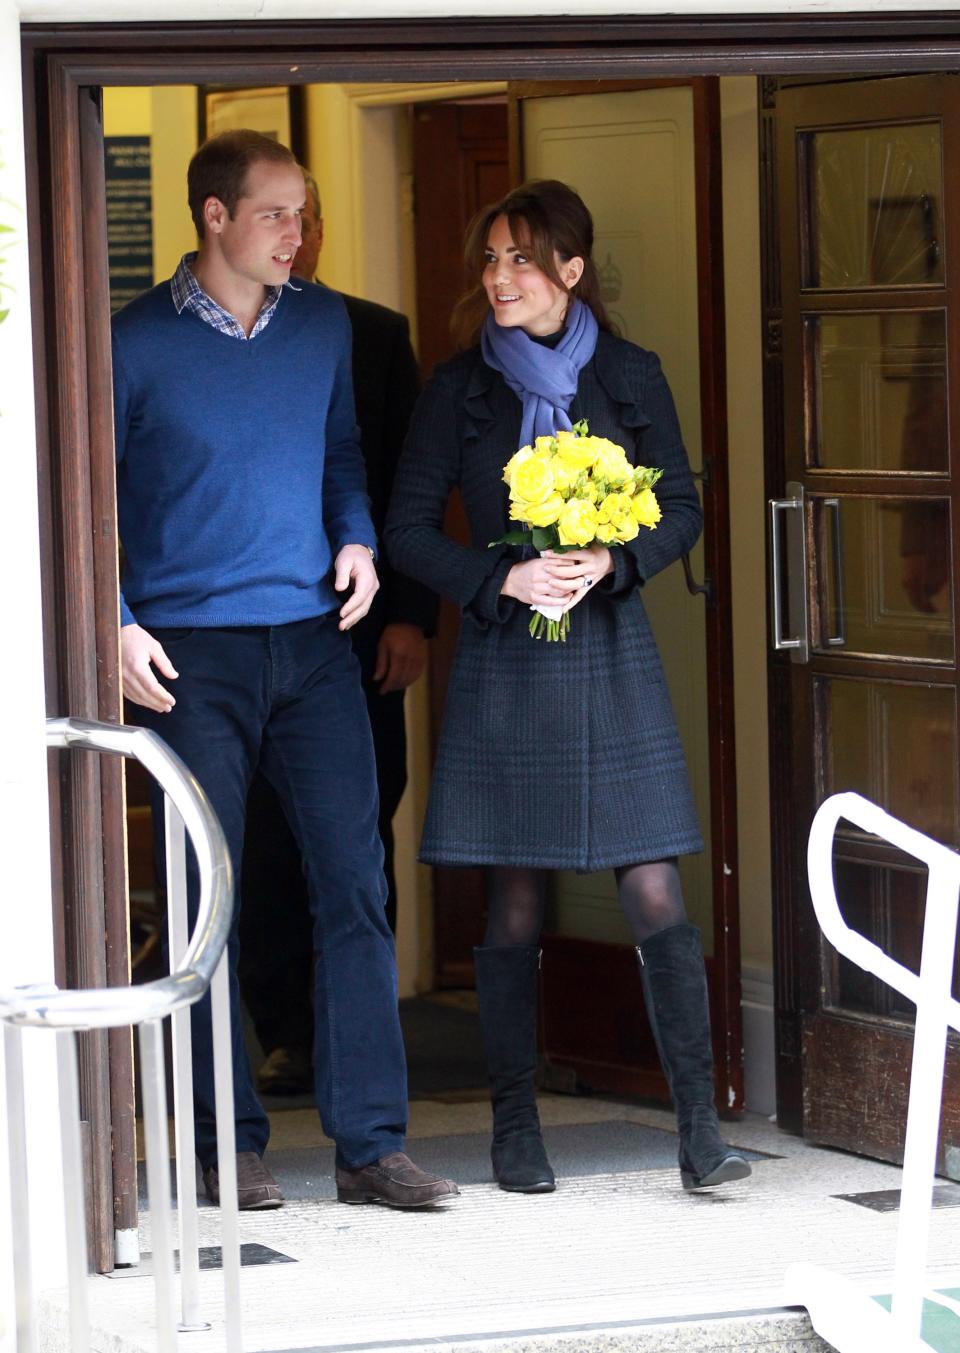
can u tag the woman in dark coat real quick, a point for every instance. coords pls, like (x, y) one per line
(556, 755)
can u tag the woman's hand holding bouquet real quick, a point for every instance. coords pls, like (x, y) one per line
(577, 496)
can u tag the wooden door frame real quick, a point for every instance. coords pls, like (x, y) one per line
(75, 465)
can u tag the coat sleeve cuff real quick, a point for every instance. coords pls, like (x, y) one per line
(489, 605)
(625, 576)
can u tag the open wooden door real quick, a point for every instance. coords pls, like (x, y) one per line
(460, 164)
(645, 158)
(863, 213)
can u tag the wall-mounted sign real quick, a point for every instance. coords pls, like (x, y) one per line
(129, 217)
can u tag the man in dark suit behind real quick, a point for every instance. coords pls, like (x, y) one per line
(276, 942)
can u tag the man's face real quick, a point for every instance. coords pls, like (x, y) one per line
(305, 263)
(259, 243)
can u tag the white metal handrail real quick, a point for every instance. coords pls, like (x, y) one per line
(198, 962)
(113, 1006)
(850, 1320)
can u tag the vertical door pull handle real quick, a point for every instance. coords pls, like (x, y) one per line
(838, 639)
(792, 562)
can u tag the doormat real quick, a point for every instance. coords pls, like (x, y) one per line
(888, 1200)
(251, 1255)
(575, 1150)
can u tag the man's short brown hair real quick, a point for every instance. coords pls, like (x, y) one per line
(219, 169)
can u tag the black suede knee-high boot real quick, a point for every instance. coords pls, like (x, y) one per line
(507, 993)
(675, 990)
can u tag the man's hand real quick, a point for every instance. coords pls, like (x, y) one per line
(138, 650)
(354, 564)
(401, 657)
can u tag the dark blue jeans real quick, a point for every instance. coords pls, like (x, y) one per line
(288, 698)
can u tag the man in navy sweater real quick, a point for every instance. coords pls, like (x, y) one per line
(245, 523)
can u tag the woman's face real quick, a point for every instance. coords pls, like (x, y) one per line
(520, 294)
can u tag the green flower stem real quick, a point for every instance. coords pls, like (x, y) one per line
(554, 631)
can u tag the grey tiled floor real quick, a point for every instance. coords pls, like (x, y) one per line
(613, 1260)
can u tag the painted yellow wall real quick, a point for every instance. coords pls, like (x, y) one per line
(127, 112)
(168, 115)
(331, 155)
(741, 260)
(174, 141)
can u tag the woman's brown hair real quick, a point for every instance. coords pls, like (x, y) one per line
(547, 220)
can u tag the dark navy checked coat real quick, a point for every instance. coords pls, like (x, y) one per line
(560, 755)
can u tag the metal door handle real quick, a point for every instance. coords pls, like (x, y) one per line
(796, 573)
(704, 589)
(840, 638)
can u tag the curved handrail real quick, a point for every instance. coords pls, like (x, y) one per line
(940, 860)
(108, 1007)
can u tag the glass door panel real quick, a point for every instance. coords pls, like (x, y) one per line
(894, 743)
(878, 384)
(885, 903)
(883, 577)
(875, 207)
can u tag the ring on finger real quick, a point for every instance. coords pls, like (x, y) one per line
(585, 581)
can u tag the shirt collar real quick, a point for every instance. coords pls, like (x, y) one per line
(188, 293)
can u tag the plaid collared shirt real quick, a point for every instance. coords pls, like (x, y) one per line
(188, 294)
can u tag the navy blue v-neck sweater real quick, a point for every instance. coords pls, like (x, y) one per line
(239, 471)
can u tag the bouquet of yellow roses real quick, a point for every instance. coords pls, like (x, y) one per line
(570, 490)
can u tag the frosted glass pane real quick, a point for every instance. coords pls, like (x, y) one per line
(879, 386)
(875, 207)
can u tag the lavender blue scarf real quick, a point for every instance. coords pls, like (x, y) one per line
(544, 379)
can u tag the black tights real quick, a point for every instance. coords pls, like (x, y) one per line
(650, 896)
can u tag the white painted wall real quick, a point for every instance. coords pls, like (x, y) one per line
(92, 11)
(26, 939)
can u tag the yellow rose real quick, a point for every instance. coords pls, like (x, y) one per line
(545, 513)
(628, 529)
(532, 480)
(645, 508)
(577, 523)
(545, 445)
(518, 457)
(610, 461)
(575, 452)
(614, 508)
(564, 477)
(606, 533)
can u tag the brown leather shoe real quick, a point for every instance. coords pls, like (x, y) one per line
(396, 1181)
(256, 1187)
